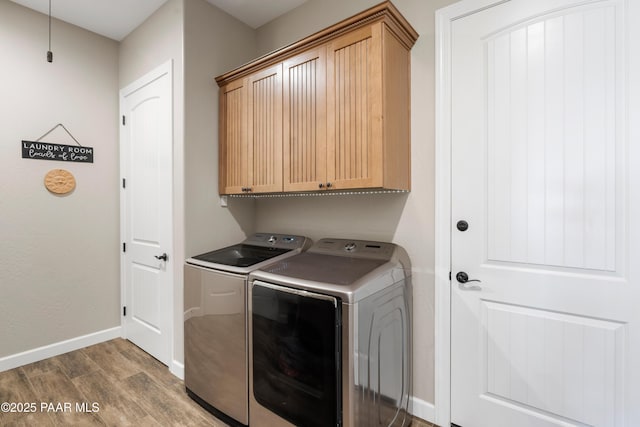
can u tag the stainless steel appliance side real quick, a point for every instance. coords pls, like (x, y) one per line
(215, 339)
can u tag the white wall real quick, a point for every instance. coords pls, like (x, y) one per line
(404, 219)
(215, 42)
(59, 260)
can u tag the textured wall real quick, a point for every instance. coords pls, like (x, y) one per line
(59, 260)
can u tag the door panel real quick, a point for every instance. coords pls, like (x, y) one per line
(304, 144)
(550, 334)
(147, 211)
(233, 174)
(265, 130)
(354, 105)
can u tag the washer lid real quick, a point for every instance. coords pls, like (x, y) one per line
(241, 255)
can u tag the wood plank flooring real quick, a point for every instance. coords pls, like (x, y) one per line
(109, 384)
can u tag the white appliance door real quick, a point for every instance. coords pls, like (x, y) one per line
(545, 163)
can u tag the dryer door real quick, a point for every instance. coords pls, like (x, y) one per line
(296, 354)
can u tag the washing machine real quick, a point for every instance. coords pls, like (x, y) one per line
(215, 321)
(330, 337)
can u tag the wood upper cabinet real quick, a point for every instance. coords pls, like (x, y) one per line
(354, 100)
(305, 149)
(251, 134)
(330, 112)
(233, 149)
(368, 99)
(264, 130)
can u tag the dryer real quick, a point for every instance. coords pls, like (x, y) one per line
(330, 337)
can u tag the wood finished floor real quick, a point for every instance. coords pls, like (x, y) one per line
(130, 388)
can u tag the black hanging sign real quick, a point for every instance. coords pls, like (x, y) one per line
(60, 152)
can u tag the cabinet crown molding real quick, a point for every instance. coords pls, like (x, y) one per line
(385, 12)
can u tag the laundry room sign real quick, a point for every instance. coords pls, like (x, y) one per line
(60, 152)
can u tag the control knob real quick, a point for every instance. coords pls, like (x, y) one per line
(350, 247)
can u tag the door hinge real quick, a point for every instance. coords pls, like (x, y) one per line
(124, 120)
(124, 311)
(124, 247)
(124, 183)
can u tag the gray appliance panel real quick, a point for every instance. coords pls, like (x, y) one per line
(330, 269)
(215, 339)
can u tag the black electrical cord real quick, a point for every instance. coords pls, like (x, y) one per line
(49, 53)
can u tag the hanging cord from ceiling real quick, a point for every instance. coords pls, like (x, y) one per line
(49, 53)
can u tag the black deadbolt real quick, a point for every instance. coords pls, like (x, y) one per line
(462, 225)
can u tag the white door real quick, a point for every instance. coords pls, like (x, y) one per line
(545, 159)
(146, 163)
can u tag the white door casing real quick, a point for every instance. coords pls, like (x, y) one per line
(146, 147)
(537, 112)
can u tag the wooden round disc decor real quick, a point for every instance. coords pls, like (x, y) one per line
(59, 181)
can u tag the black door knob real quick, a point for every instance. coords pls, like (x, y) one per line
(462, 225)
(162, 257)
(463, 277)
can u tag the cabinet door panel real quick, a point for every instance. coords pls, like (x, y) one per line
(233, 141)
(265, 130)
(354, 105)
(304, 127)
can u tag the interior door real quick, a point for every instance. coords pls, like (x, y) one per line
(146, 152)
(544, 177)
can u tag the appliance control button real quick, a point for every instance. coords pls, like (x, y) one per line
(272, 239)
(350, 247)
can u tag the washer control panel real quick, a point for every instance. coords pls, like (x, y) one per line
(277, 240)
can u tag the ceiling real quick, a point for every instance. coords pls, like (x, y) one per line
(117, 18)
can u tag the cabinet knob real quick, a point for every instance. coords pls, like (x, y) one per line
(321, 185)
(329, 185)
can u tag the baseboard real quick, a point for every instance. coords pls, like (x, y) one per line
(55, 349)
(423, 409)
(177, 369)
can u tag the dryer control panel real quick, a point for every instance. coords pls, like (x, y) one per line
(354, 248)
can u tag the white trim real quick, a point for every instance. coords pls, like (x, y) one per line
(422, 409)
(177, 369)
(56, 349)
(444, 18)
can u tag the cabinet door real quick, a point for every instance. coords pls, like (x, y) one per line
(233, 175)
(304, 126)
(265, 130)
(354, 109)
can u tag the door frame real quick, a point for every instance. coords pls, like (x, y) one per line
(163, 69)
(443, 20)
